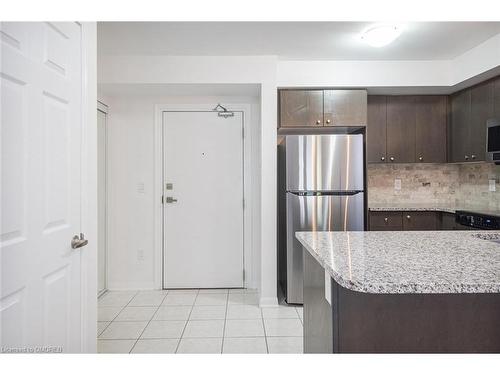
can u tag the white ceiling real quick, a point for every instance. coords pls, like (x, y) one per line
(290, 40)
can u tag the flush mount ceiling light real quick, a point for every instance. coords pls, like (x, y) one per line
(381, 35)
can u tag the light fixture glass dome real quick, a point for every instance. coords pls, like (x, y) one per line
(381, 35)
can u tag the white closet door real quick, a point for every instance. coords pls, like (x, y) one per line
(41, 126)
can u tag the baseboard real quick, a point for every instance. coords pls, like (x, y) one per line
(125, 286)
(268, 302)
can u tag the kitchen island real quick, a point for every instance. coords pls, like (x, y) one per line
(401, 292)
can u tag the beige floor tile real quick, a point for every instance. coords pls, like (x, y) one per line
(204, 328)
(291, 345)
(244, 345)
(123, 330)
(156, 346)
(211, 299)
(172, 313)
(283, 327)
(244, 328)
(114, 346)
(243, 312)
(208, 312)
(136, 313)
(164, 329)
(200, 345)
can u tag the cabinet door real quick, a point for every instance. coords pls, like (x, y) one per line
(376, 129)
(420, 221)
(496, 98)
(301, 108)
(345, 107)
(460, 129)
(430, 129)
(386, 220)
(481, 111)
(401, 129)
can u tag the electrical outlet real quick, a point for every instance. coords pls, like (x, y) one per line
(397, 184)
(492, 185)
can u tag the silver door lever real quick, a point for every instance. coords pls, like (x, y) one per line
(78, 242)
(171, 200)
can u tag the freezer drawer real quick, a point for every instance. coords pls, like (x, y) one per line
(316, 213)
(324, 162)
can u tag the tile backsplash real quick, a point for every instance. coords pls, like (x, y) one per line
(465, 185)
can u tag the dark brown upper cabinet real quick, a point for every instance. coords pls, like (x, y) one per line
(376, 131)
(470, 109)
(460, 126)
(306, 108)
(406, 129)
(430, 128)
(301, 108)
(481, 111)
(496, 98)
(345, 107)
(401, 129)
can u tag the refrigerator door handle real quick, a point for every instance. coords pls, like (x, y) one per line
(317, 193)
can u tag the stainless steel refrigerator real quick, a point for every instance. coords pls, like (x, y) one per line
(320, 188)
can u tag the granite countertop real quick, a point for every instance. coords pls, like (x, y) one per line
(427, 207)
(409, 262)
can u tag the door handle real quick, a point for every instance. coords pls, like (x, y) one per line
(171, 200)
(79, 241)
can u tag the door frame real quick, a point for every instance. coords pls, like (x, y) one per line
(104, 108)
(89, 187)
(158, 185)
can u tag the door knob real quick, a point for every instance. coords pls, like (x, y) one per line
(421, 158)
(171, 200)
(78, 241)
(382, 158)
(392, 158)
(328, 121)
(318, 122)
(466, 157)
(473, 157)
(386, 219)
(408, 217)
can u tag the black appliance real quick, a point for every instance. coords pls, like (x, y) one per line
(478, 220)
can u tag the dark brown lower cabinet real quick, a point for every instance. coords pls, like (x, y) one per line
(421, 220)
(356, 322)
(413, 220)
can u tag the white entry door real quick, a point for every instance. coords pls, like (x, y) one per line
(41, 125)
(203, 174)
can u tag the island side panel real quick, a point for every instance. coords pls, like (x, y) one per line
(318, 333)
(416, 323)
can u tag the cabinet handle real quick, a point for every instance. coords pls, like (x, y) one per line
(466, 157)
(392, 158)
(408, 217)
(328, 121)
(318, 122)
(473, 157)
(386, 219)
(382, 158)
(421, 158)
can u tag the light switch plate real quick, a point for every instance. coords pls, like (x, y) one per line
(397, 184)
(492, 185)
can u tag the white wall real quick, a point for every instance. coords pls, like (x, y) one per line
(259, 70)
(131, 157)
